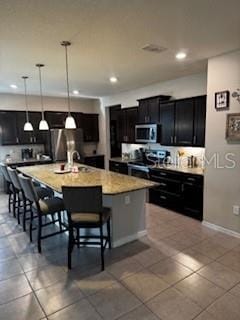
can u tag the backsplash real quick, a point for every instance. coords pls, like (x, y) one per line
(15, 154)
(199, 153)
(15, 151)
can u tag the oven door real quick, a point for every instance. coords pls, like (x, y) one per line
(138, 171)
(146, 133)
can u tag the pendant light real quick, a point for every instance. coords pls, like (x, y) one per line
(70, 122)
(43, 125)
(27, 126)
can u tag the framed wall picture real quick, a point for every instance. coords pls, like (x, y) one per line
(233, 127)
(222, 100)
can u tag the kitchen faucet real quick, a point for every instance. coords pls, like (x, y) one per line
(70, 155)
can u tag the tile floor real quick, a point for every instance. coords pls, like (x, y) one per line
(180, 271)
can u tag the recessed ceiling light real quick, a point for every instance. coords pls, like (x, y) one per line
(75, 92)
(113, 79)
(181, 55)
(13, 86)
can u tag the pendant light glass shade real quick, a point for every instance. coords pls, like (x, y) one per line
(27, 126)
(43, 125)
(70, 122)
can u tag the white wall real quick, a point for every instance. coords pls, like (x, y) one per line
(17, 102)
(190, 86)
(222, 186)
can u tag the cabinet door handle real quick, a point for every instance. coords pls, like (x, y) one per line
(162, 173)
(171, 139)
(162, 184)
(175, 139)
(182, 187)
(17, 140)
(191, 179)
(194, 139)
(163, 197)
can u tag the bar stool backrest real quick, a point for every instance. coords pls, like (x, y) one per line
(14, 178)
(83, 199)
(5, 172)
(28, 188)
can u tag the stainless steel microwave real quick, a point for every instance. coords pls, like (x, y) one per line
(147, 133)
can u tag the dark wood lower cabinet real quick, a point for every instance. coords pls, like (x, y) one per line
(178, 191)
(119, 167)
(95, 161)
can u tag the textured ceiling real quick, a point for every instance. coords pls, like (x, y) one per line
(107, 37)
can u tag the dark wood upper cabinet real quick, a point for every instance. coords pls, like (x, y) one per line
(167, 121)
(78, 117)
(199, 121)
(127, 119)
(24, 137)
(115, 142)
(143, 114)
(148, 110)
(56, 120)
(90, 127)
(131, 120)
(184, 116)
(8, 128)
(183, 122)
(38, 136)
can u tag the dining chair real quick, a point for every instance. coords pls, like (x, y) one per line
(42, 208)
(85, 211)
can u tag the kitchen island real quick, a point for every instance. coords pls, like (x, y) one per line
(125, 195)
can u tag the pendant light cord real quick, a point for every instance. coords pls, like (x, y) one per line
(40, 86)
(67, 79)
(26, 100)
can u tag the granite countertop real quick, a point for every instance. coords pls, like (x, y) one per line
(112, 183)
(87, 155)
(181, 169)
(21, 161)
(173, 167)
(119, 159)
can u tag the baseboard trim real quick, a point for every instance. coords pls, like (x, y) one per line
(221, 229)
(130, 238)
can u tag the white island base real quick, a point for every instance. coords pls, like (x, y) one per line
(128, 216)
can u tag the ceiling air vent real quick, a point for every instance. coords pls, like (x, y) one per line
(154, 48)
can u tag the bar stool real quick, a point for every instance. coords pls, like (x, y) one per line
(42, 207)
(11, 196)
(85, 210)
(21, 201)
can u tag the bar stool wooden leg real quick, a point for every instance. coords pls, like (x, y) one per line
(24, 214)
(109, 234)
(31, 223)
(102, 248)
(18, 208)
(70, 247)
(60, 220)
(14, 205)
(39, 233)
(78, 237)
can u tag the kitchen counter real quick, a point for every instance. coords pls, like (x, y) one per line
(181, 169)
(173, 167)
(119, 159)
(27, 162)
(125, 195)
(112, 183)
